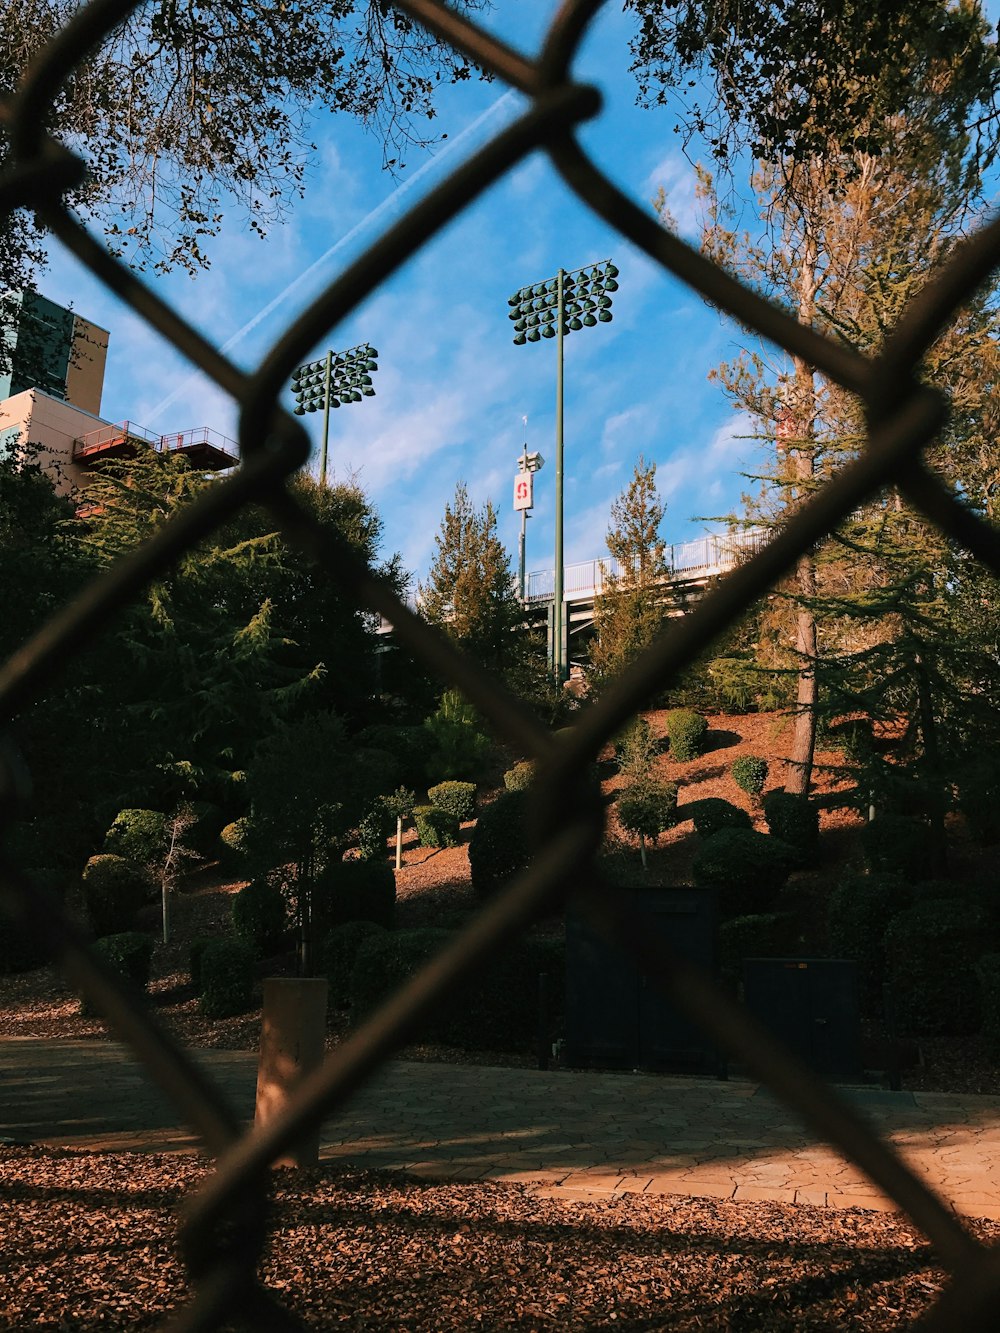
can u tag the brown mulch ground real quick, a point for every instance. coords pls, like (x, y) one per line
(88, 1244)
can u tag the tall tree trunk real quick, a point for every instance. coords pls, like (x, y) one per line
(800, 760)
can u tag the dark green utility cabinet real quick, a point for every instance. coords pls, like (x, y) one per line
(614, 1018)
(810, 1004)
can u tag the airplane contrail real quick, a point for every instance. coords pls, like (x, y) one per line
(391, 203)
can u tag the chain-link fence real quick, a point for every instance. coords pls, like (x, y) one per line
(224, 1226)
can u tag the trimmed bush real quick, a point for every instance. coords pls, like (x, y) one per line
(496, 1009)
(235, 847)
(520, 777)
(436, 827)
(747, 868)
(458, 798)
(930, 950)
(712, 814)
(858, 912)
(686, 730)
(761, 935)
(138, 835)
(195, 954)
(355, 891)
(988, 977)
(227, 976)
(340, 949)
(373, 831)
(209, 821)
(258, 915)
(634, 749)
(647, 808)
(498, 847)
(749, 774)
(793, 819)
(113, 891)
(407, 745)
(897, 845)
(129, 954)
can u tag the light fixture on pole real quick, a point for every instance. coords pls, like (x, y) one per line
(524, 499)
(564, 304)
(340, 378)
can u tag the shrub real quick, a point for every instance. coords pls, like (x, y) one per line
(897, 845)
(198, 946)
(929, 951)
(458, 748)
(373, 831)
(138, 835)
(520, 777)
(340, 948)
(407, 745)
(227, 975)
(436, 827)
(129, 955)
(634, 749)
(498, 847)
(208, 822)
(258, 914)
(458, 798)
(235, 847)
(113, 891)
(686, 730)
(712, 814)
(355, 891)
(858, 912)
(749, 774)
(760, 935)
(747, 868)
(793, 819)
(647, 808)
(496, 1008)
(988, 977)
(979, 801)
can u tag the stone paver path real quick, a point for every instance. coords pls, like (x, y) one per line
(572, 1134)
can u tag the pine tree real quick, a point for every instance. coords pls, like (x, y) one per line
(470, 589)
(631, 607)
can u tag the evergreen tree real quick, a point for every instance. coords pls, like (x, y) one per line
(632, 605)
(470, 589)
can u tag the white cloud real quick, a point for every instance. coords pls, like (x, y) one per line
(675, 175)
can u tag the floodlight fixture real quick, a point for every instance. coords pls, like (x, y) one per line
(338, 379)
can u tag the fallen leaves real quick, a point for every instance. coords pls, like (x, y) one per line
(87, 1242)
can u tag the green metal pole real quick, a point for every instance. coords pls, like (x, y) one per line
(326, 420)
(558, 662)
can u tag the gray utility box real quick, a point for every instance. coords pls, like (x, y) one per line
(614, 1018)
(810, 1004)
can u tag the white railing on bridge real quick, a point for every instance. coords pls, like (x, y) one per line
(703, 558)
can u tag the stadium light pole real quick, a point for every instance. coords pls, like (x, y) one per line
(564, 304)
(340, 378)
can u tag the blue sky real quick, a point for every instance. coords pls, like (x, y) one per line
(452, 389)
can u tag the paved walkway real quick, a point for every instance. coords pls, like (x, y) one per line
(573, 1134)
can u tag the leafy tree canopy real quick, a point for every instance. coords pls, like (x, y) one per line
(188, 106)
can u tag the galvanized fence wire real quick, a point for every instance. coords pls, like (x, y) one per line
(224, 1226)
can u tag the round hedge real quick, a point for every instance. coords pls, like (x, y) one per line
(793, 819)
(520, 777)
(138, 835)
(747, 869)
(129, 955)
(498, 848)
(436, 827)
(226, 971)
(686, 730)
(749, 773)
(113, 891)
(259, 917)
(647, 808)
(712, 814)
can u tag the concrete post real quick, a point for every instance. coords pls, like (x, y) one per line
(293, 1027)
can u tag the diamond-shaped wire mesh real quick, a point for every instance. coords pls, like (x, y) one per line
(224, 1227)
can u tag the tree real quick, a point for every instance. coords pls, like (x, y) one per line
(242, 633)
(787, 81)
(470, 588)
(185, 106)
(632, 605)
(850, 239)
